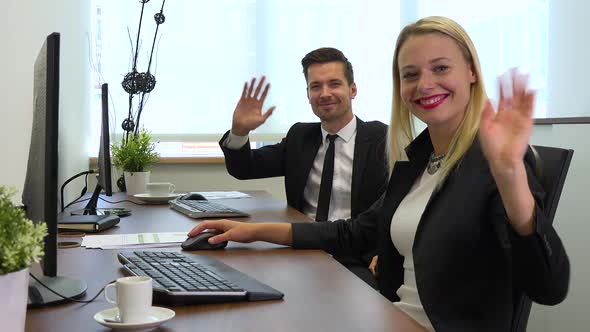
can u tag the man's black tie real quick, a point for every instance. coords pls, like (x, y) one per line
(326, 184)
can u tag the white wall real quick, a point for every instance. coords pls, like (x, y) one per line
(568, 83)
(569, 52)
(25, 25)
(571, 222)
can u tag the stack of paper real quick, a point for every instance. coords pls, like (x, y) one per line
(133, 241)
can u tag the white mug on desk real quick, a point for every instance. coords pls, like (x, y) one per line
(134, 298)
(159, 189)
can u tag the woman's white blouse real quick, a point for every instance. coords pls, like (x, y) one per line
(403, 230)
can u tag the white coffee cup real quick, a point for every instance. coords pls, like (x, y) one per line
(160, 188)
(134, 298)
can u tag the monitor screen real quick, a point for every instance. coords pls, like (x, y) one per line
(40, 189)
(104, 180)
(104, 152)
(40, 192)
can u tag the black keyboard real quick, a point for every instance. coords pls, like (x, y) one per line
(181, 279)
(205, 209)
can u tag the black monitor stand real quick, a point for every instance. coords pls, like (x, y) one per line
(68, 288)
(90, 208)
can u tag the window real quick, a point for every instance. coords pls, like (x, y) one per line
(205, 51)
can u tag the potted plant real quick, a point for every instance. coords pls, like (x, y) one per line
(135, 157)
(21, 244)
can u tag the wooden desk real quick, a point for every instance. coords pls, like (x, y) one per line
(320, 294)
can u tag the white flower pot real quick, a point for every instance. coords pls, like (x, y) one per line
(14, 288)
(136, 182)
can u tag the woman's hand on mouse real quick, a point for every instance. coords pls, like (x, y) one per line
(230, 231)
(279, 233)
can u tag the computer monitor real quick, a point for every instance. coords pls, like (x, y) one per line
(104, 152)
(40, 193)
(104, 180)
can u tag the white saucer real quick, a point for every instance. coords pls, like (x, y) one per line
(155, 199)
(155, 318)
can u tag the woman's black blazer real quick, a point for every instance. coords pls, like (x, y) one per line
(467, 258)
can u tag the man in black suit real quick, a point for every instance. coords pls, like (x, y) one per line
(334, 169)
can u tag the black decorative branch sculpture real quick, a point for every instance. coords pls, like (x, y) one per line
(136, 83)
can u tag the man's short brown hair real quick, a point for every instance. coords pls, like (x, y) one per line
(328, 54)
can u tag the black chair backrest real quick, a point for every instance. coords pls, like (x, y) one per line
(552, 165)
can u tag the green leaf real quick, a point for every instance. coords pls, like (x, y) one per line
(137, 155)
(21, 240)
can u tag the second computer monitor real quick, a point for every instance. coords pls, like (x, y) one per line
(104, 152)
(104, 180)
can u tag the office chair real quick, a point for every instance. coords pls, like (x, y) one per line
(552, 165)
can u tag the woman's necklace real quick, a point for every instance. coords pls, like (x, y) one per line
(434, 163)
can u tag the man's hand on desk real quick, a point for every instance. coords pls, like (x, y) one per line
(279, 233)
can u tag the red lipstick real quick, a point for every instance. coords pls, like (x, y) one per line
(431, 102)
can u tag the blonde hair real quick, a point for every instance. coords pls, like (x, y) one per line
(402, 130)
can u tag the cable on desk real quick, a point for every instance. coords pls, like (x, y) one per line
(117, 202)
(78, 200)
(83, 189)
(70, 298)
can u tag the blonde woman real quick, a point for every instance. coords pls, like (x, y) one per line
(461, 226)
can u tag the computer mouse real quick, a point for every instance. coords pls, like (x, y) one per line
(200, 242)
(194, 197)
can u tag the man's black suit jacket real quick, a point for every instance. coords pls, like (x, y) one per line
(293, 158)
(468, 260)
